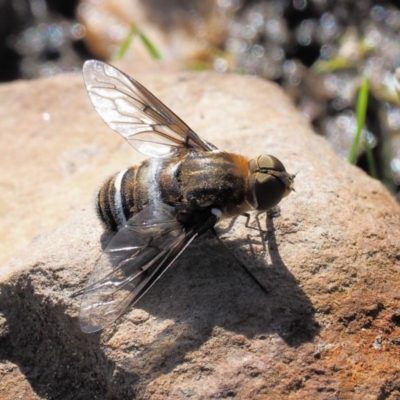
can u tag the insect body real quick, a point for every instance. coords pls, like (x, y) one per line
(160, 206)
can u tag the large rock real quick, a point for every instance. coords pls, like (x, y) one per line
(329, 326)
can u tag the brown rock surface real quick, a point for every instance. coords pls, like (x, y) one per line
(187, 32)
(329, 327)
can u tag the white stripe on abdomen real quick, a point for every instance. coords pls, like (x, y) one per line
(153, 180)
(118, 198)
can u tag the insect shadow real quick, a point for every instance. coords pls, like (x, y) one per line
(205, 289)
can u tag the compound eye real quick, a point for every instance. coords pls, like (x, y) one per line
(268, 191)
(270, 162)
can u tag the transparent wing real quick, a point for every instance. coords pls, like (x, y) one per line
(131, 110)
(132, 262)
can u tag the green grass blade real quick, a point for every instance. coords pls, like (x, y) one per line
(126, 44)
(155, 54)
(362, 103)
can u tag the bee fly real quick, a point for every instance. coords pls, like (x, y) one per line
(160, 206)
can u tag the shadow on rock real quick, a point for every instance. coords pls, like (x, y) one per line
(203, 292)
(50, 350)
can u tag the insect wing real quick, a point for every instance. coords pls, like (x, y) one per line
(131, 110)
(133, 261)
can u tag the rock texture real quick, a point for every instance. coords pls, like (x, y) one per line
(329, 327)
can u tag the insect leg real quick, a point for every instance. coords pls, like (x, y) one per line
(247, 224)
(239, 262)
(274, 212)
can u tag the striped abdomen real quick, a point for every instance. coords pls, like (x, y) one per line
(127, 192)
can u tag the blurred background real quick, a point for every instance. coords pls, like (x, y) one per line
(319, 51)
